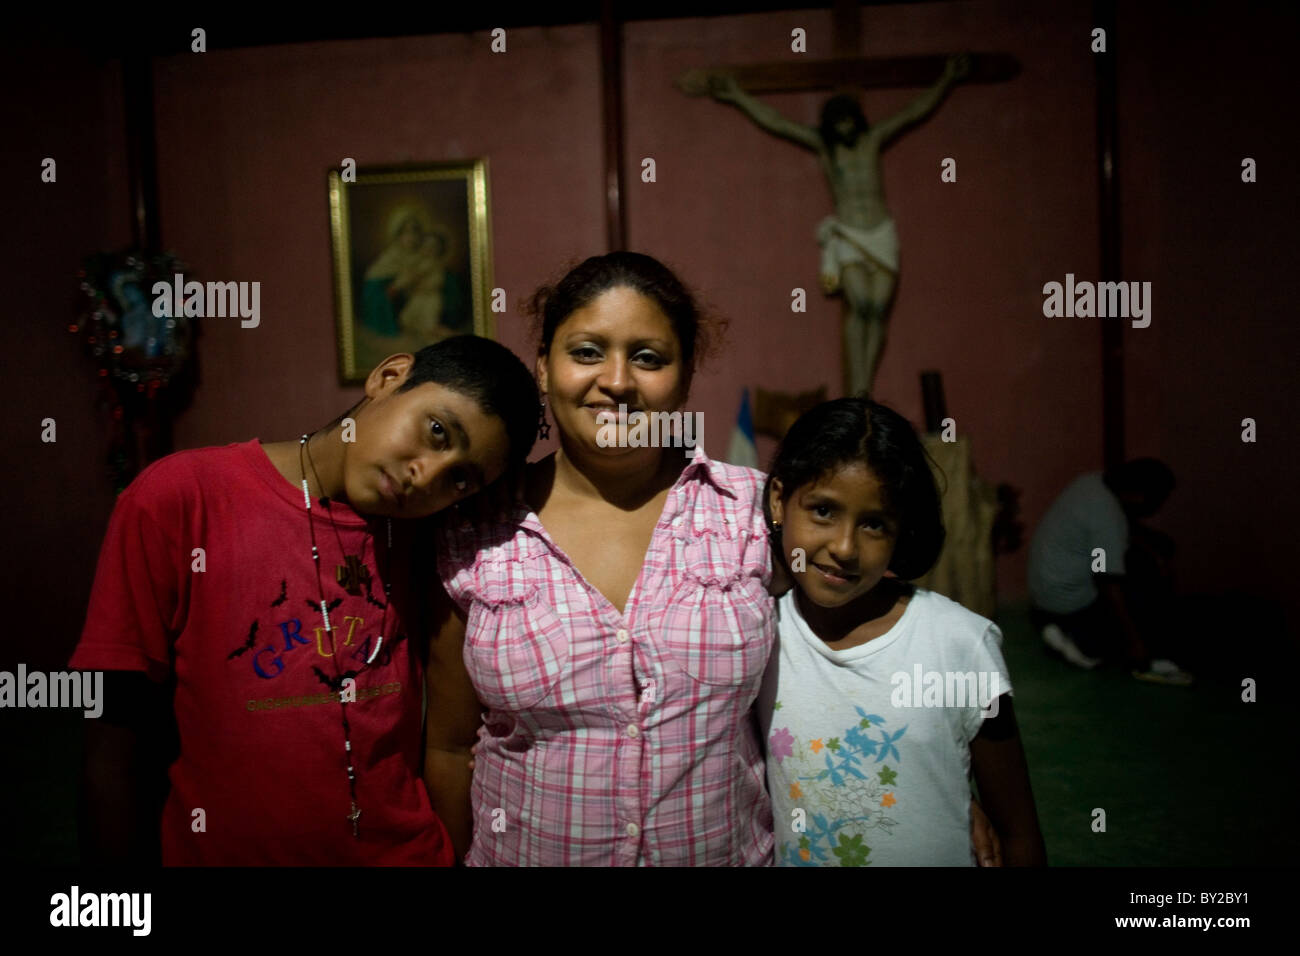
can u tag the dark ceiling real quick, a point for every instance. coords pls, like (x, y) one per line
(114, 33)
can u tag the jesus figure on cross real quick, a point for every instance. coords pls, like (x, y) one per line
(859, 242)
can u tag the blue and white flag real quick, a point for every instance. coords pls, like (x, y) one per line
(742, 450)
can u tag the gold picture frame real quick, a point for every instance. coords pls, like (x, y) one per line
(412, 259)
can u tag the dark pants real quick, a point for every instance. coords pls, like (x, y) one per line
(1094, 629)
(1148, 594)
(1221, 637)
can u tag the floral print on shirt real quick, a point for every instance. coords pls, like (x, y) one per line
(846, 787)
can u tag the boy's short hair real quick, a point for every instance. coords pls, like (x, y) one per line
(491, 375)
(849, 431)
(1150, 478)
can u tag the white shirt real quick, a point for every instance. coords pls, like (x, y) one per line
(1086, 516)
(868, 749)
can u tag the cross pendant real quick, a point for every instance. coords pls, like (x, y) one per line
(352, 574)
(354, 816)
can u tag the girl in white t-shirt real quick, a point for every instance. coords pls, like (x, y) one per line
(881, 698)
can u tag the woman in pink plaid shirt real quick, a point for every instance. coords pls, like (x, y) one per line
(616, 621)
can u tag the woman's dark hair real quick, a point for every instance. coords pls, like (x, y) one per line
(850, 431)
(491, 375)
(636, 271)
(835, 109)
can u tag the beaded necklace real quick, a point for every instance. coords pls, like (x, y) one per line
(350, 575)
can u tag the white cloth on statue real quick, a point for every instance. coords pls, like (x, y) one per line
(842, 244)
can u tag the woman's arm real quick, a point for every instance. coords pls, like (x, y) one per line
(452, 724)
(998, 762)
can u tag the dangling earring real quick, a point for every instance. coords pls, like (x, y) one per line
(543, 427)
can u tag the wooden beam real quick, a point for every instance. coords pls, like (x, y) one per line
(846, 29)
(790, 77)
(611, 85)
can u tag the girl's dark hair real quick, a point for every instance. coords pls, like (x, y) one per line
(850, 431)
(636, 271)
(491, 375)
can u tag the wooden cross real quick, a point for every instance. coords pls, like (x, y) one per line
(848, 71)
(866, 310)
(352, 574)
(854, 72)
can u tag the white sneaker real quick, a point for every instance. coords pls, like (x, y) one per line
(1163, 671)
(1059, 641)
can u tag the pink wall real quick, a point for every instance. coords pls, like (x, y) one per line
(1220, 255)
(246, 140)
(737, 209)
(57, 495)
(246, 137)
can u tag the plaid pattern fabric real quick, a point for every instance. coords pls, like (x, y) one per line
(621, 739)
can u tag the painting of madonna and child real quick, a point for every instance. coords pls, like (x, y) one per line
(410, 259)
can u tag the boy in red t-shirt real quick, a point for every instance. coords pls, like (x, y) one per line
(254, 599)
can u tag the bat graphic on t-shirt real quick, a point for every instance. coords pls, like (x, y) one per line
(246, 646)
(333, 683)
(315, 605)
(284, 594)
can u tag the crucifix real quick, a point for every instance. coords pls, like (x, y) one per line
(352, 574)
(859, 242)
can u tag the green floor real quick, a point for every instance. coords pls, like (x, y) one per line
(1187, 776)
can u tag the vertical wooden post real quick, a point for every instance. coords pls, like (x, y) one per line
(1112, 338)
(141, 151)
(846, 22)
(846, 27)
(611, 75)
(147, 422)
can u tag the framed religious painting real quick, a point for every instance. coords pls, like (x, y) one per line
(412, 259)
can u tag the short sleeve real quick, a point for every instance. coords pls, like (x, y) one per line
(759, 548)
(992, 679)
(462, 547)
(456, 550)
(138, 599)
(756, 548)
